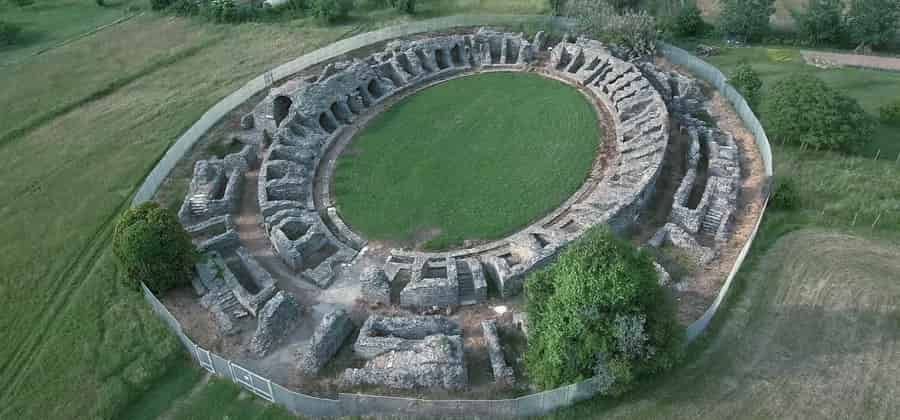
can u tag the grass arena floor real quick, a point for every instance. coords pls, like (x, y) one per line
(472, 158)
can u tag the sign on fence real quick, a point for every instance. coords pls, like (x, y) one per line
(253, 382)
(204, 358)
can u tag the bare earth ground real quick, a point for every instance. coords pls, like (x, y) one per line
(852, 60)
(814, 334)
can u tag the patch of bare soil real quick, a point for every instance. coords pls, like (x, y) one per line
(819, 58)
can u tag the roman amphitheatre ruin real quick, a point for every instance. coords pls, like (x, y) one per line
(291, 288)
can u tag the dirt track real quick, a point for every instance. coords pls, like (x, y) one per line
(852, 60)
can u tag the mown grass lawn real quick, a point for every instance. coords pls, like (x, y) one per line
(473, 158)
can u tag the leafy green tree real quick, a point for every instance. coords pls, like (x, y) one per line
(634, 31)
(747, 20)
(801, 109)
(821, 22)
(599, 311)
(873, 23)
(747, 82)
(890, 113)
(330, 10)
(689, 21)
(557, 6)
(152, 247)
(405, 6)
(160, 4)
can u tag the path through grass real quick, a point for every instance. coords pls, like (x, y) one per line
(473, 158)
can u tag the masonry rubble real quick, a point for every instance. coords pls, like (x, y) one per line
(276, 321)
(326, 340)
(503, 373)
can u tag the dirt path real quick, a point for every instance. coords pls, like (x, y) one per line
(819, 58)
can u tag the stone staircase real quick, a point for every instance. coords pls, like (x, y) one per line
(467, 294)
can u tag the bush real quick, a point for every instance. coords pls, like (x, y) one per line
(801, 109)
(330, 10)
(185, 7)
(22, 3)
(152, 247)
(160, 4)
(9, 33)
(821, 22)
(599, 311)
(786, 196)
(873, 22)
(557, 6)
(689, 21)
(747, 82)
(405, 6)
(890, 113)
(746, 20)
(633, 31)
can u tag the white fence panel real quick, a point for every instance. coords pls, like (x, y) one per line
(253, 382)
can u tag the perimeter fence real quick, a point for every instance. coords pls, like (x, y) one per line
(360, 404)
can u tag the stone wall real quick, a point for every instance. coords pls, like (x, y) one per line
(327, 339)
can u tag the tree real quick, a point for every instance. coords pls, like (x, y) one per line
(405, 6)
(747, 82)
(822, 22)
(152, 247)
(599, 311)
(330, 10)
(634, 31)
(801, 109)
(9, 33)
(746, 20)
(873, 22)
(689, 21)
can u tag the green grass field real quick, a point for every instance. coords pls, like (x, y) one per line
(473, 158)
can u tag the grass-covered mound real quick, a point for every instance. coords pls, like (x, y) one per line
(473, 158)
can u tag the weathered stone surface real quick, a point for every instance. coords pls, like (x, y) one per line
(664, 277)
(380, 334)
(375, 286)
(435, 362)
(276, 321)
(247, 121)
(327, 339)
(503, 373)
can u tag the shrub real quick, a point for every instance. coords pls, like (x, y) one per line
(890, 113)
(599, 311)
(185, 7)
(160, 4)
(873, 22)
(747, 82)
(152, 247)
(689, 21)
(633, 31)
(9, 33)
(801, 109)
(785, 196)
(747, 20)
(557, 6)
(330, 10)
(821, 22)
(405, 6)
(22, 3)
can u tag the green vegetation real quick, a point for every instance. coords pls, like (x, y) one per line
(747, 82)
(873, 89)
(599, 311)
(822, 22)
(9, 33)
(873, 23)
(689, 22)
(153, 248)
(801, 109)
(472, 158)
(890, 113)
(746, 20)
(812, 307)
(222, 399)
(330, 10)
(635, 31)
